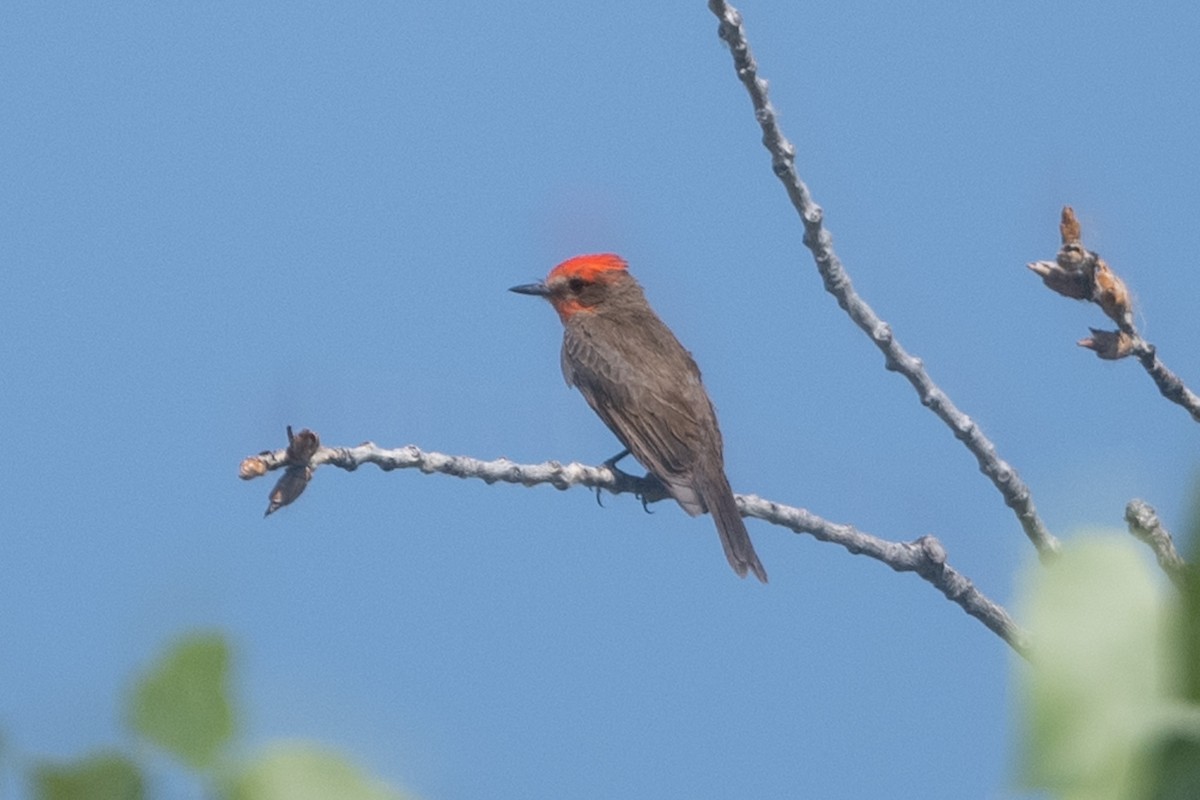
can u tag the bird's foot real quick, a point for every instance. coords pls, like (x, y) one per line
(652, 489)
(611, 463)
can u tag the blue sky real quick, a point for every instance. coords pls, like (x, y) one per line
(220, 219)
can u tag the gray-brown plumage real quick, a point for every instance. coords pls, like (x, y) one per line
(646, 388)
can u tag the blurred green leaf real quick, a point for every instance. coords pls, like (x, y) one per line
(302, 771)
(1175, 761)
(1189, 636)
(1175, 766)
(105, 776)
(1190, 618)
(1098, 682)
(182, 704)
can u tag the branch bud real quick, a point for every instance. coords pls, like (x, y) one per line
(1112, 296)
(252, 467)
(1069, 227)
(1109, 345)
(300, 450)
(1071, 282)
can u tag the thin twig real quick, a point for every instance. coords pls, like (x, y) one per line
(925, 556)
(1168, 383)
(1144, 524)
(818, 240)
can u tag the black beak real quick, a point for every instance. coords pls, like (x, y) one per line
(537, 289)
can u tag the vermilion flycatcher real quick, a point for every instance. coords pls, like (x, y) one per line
(640, 380)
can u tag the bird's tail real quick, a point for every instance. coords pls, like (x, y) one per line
(718, 496)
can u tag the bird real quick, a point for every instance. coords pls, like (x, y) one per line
(645, 386)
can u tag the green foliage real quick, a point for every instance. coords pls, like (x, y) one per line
(1175, 757)
(1174, 772)
(104, 776)
(182, 704)
(299, 771)
(1105, 714)
(1190, 616)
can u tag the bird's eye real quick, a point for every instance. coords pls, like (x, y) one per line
(576, 285)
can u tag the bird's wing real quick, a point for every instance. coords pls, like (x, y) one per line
(661, 421)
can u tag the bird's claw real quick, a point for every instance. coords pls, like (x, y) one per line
(611, 464)
(656, 491)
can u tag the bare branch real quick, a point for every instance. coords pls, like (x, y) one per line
(818, 240)
(1082, 274)
(1169, 384)
(1144, 524)
(925, 556)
